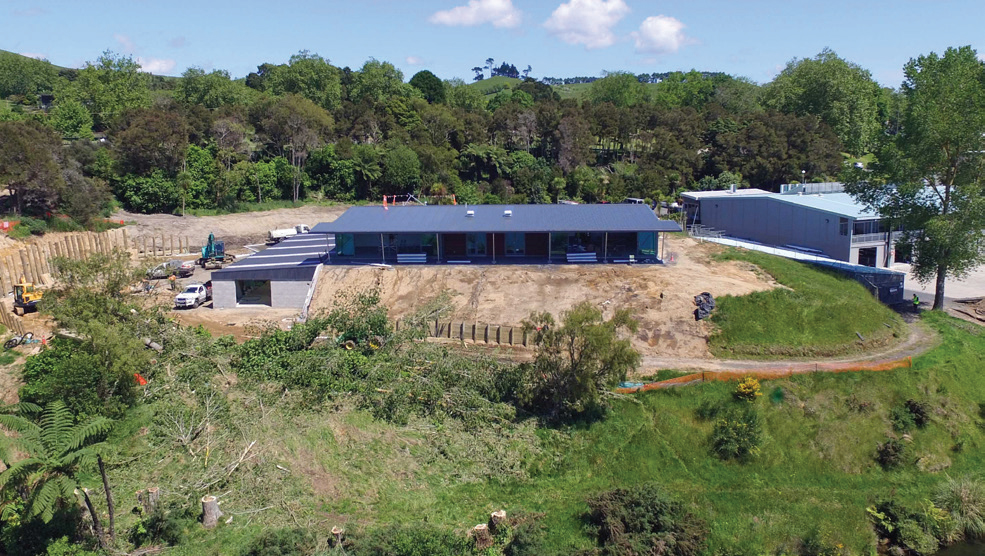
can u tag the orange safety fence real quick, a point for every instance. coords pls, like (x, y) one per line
(773, 373)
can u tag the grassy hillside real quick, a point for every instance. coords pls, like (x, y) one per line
(19, 57)
(494, 85)
(817, 313)
(814, 474)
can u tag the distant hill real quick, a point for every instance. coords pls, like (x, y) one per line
(22, 58)
(494, 85)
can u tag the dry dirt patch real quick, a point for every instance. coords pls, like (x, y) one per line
(661, 296)
(235, 229)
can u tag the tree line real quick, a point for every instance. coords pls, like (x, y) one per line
(307, 129)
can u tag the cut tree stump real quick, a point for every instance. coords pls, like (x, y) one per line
(210, 511)
(337, 533)
(148, 499)
(482, 537)
(497, 520)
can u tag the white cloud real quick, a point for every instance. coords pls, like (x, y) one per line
(34, 55)
(157, 66)
(414, 60)
(660, 34)
(981, 57)
(587, 22)
(125, 42)
(501, 13)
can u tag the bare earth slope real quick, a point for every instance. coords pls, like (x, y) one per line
(661, 296)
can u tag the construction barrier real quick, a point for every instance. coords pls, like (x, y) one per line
(772, 374)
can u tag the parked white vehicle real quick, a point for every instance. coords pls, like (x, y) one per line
(274, 236)
(193, 296)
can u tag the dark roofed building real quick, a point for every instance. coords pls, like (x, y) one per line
(285, 274)
(497, 233)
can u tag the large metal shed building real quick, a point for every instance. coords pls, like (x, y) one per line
(813, 218)
(491, 234)
(281, 276)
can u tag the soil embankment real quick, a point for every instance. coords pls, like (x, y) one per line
(662, 297)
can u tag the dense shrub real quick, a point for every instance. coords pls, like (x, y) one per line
(410, 540)
(33, 536)
(909, 530)
(29, 226)
(901, 419)
(909, 415)
(891, 454)
(282, 542)
(66, 547)
(748, 390)
(154, 193)
(80, 374)
(644, 520)
(737, 434)
(529, 538)
(169, 526)
(272, 355)
(920, 412)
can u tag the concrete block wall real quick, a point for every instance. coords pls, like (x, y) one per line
(288, 294)
(223, 294)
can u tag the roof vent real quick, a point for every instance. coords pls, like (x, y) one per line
(507, 213)
(469, 213)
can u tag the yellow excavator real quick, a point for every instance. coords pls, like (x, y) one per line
(26, 296)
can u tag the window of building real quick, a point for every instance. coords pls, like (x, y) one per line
(514, 244)
(843, 226)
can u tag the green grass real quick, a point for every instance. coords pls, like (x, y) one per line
(818, 313)
(815, 469)
(495, 84)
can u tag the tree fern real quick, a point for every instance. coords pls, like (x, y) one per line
(57, 449)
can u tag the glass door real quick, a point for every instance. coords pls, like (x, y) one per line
(475, 245)
(515, 244)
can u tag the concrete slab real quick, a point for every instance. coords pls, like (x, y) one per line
(971, 286)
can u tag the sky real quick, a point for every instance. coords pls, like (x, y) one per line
(556, 38)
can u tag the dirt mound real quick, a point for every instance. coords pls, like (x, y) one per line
(661, 296)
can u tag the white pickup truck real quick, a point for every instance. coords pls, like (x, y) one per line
(193, 295)
(274, 236)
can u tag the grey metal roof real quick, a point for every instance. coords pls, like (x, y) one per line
(490, 218)
(294, 258)
(839, 204)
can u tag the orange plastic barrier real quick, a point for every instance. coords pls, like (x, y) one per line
(769, 374)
